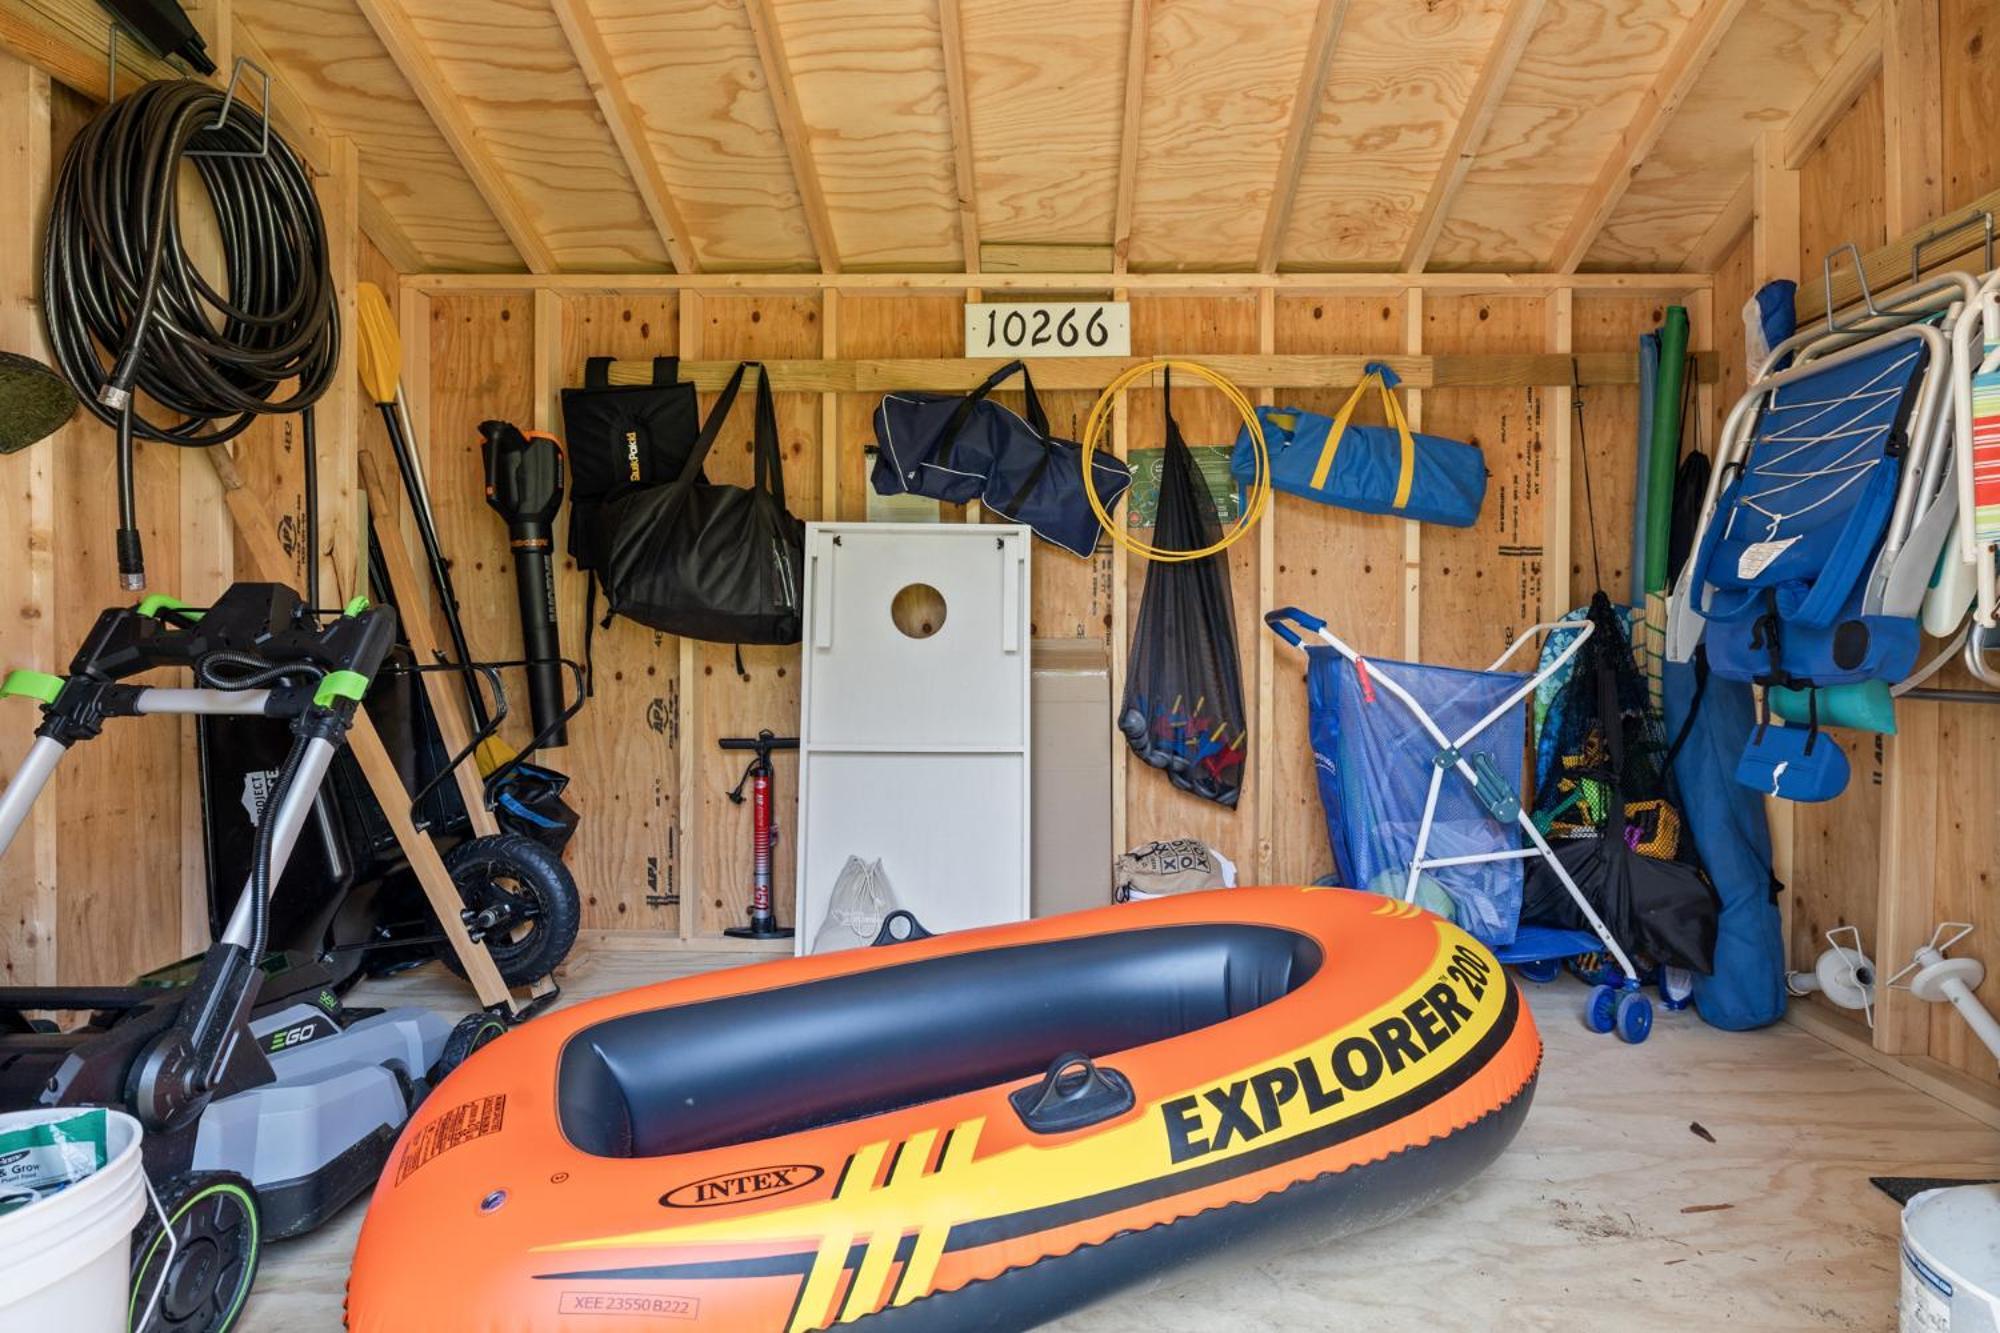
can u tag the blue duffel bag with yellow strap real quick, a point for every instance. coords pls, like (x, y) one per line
(1375, 469)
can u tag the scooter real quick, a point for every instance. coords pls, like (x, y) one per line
(260, 1121)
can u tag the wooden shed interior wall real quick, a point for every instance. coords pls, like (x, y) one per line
(708, 148)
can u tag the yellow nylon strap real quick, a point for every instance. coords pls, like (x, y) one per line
(1394, 410)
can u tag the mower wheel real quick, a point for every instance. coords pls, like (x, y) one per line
(472, 1032)
(204, 1276)
(530, 898)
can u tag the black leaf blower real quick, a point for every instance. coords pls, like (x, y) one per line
(524, 485)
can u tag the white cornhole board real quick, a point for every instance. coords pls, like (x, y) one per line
(915, 750)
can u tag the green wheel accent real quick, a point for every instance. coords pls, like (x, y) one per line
(221, 1192)
(340, 685)
(355, 607)
(32, 684)
(159, 601)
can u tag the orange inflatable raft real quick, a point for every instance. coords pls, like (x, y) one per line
(978, 1130)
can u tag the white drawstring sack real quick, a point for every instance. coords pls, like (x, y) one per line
(861, 899)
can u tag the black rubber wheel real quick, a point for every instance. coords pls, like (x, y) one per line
(472, 1032)
(531, 892)
(206, 1276)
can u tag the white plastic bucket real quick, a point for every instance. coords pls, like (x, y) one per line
(1951, 1261)
(65, 1260)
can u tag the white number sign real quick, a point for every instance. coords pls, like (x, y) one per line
(1048, 328)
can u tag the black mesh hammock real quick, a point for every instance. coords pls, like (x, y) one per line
(1183, 706)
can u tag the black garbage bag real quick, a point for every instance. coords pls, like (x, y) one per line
(1183, 706)
(1611, 816)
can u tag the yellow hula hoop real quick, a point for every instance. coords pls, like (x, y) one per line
(1260, 486)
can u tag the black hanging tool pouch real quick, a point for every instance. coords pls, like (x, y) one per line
(622, 438)
(706, 561)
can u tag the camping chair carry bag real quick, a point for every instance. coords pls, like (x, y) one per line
(1375, 469)
(713, 562)
(1037, 479)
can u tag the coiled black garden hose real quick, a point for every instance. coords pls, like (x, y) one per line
(118, 282)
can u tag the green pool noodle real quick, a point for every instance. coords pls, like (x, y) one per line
(1663, 455)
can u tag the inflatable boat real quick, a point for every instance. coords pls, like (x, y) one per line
(970, 1131)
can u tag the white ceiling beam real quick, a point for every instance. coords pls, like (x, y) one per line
(1495, 74)
(446, 108)
(1313, 76)
(628, 130)
(1697, 46)
(793, 131)
(1138, 43)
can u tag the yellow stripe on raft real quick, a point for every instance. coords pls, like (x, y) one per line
(831, 1260)
(866, 1293)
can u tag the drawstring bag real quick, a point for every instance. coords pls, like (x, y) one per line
(1375, 469)
(1183, 706)
(1037, 479)
(720, 563)
(937, 445)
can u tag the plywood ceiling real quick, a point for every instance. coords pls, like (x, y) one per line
(609, 136)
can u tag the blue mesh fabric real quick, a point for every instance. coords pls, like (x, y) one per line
(1374, 763)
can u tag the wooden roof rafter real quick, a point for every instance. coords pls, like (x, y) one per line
(1835, 92)
(1313, 78)
(1138, 42)
(1728, 228)
(792, 130)
(951, 34)
(628, 130)
(406, 48)
(1685, 63)
(1496, 73)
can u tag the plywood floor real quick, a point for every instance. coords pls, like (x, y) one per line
(1609, 1211)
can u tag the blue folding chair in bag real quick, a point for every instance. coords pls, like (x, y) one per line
(1828, 507)
(1420, 772)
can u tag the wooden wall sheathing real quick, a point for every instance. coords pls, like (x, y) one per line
(1338, 563)
(1482, 585)
(1341, 565)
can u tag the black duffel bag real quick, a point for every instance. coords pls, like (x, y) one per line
(720, 563)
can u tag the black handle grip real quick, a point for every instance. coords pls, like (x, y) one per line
(760, 743)
(900, 927)
(1074, 1093)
